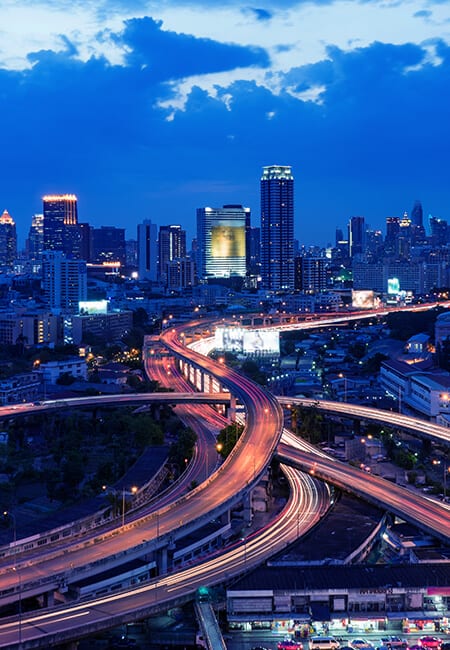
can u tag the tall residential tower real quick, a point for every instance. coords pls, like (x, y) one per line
(277, 228)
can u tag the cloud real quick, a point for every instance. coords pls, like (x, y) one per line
(174, 56)
(424, 13)
(260, 14)
(375, 141)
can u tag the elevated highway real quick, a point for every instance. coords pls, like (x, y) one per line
(240, 473)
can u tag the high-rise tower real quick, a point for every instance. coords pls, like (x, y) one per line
(277, 228)
(221, 239)
(171, 246)
(8, 240)
(356, 236)
(60, 223)
(147, 237)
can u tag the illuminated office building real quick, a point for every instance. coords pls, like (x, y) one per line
(222, 241)
(108, 245)
(36, 237)
(8, 241)
(147, 236)
(277, 228)
(171, 246)
(64, 281)
(357, 236)
(61, 231)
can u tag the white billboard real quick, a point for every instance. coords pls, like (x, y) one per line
(364, 299)
(261, 342)
(237, 339)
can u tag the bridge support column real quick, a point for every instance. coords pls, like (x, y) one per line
(162, 560)
(210, 384)
(247, 507)
(232, 409)
(202, 381)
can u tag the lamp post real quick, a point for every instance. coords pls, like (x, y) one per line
(6, 513)
(342, 376)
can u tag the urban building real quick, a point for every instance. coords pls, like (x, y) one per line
(108, 245)
(64, 281)
(221, 239)
(36, 237)
(346, 598)
(53, 370)
(8, 241)
(180, 274)
(310, 274)
(24, 387)
(147, 250)
(357, 236)
(32, 327)
(439, 231)
(171, 245)
(60, 224)
(108, 327)
(277, 228)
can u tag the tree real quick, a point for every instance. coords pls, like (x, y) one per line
(228, 437)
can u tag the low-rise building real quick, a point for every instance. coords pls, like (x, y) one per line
(53, 370)
(20, 388)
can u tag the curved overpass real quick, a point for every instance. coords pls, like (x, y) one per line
(422, 428)
(261, 433)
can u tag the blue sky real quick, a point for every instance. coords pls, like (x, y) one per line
(152, 109)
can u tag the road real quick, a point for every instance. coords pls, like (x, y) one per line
(261, 436)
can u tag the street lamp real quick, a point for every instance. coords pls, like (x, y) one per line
(342, 376)
(11, 515)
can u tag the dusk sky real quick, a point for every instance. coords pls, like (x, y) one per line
(152, 109)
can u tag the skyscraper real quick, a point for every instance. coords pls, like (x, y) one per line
(64, 281)
(171, 245)
(108, 245)
(8, 240)
(221, 239)
(356, 236)
(277, 228)
(36, 237)
(147, 250)
(60, 223)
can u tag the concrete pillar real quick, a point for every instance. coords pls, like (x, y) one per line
(232, 409)
(202, 382)
(247, 507)
(162, 560)
(210, 384)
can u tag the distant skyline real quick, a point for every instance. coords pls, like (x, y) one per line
(149, 110)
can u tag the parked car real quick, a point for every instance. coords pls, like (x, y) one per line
(323, 643)
(360, 644)
(289, 644)
(394, 642)
(430, 642)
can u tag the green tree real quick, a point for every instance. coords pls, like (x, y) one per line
(228, 437)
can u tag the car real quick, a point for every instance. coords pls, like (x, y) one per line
(289, 644)
(430, 642)
(323, 643)
(360, 644)
(394, 642)
(259, 647)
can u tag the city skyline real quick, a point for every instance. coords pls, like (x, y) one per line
(135, 109)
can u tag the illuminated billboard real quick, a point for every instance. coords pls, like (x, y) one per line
(393, 286)
(261, 342)
(93, 307)
(229, 339)
(364, 299)
(256, 342)
(227, 241)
